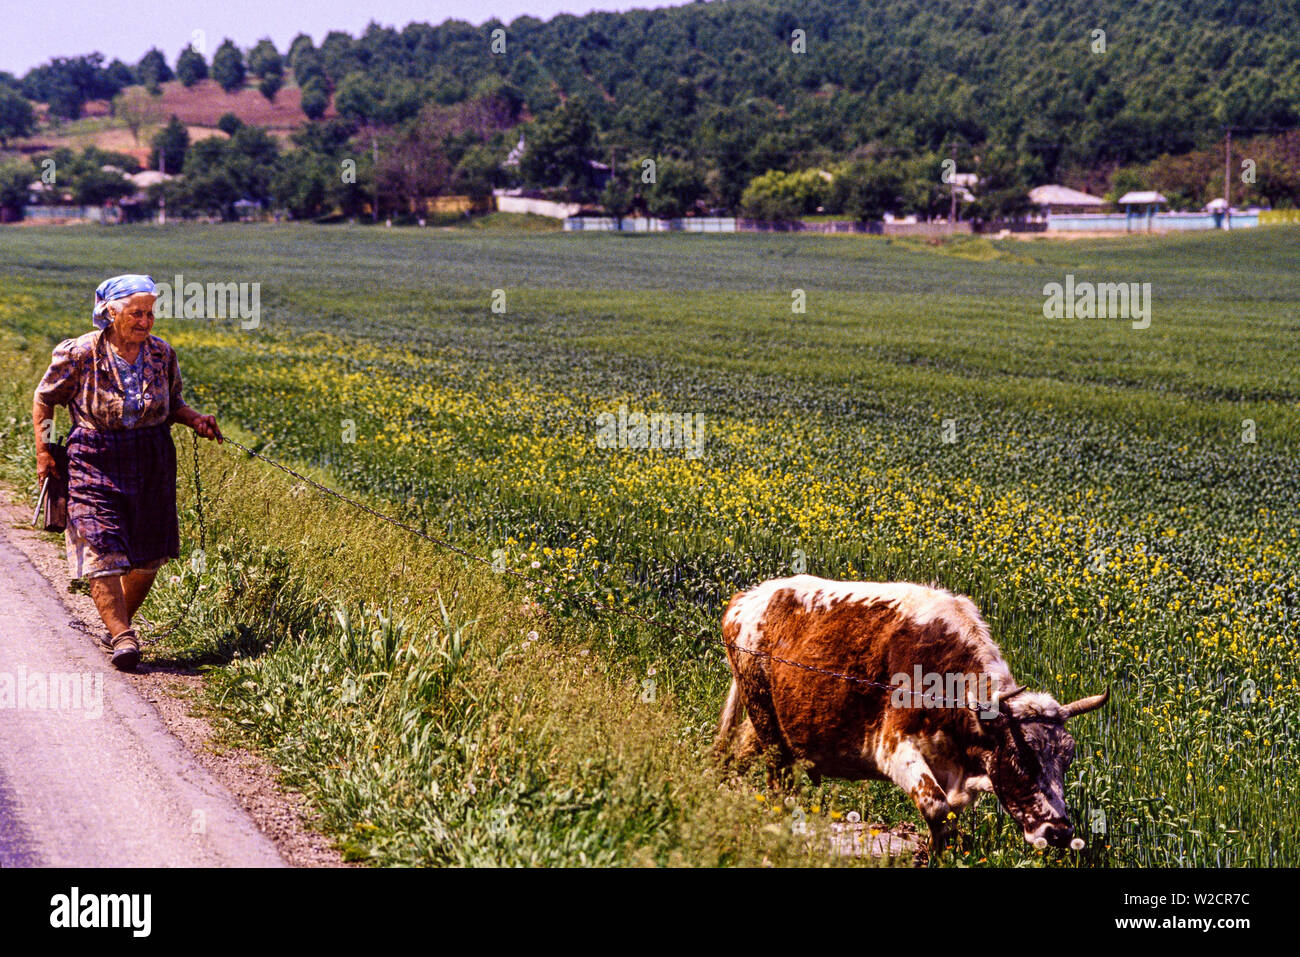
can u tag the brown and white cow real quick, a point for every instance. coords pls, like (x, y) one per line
(943, 748)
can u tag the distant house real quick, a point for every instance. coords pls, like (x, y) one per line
(41, 192)
(516, 153)
(136, 207)
(1053, 198)
(1143, 199)
(600, 172)
(1139, 205)
(965, 184)
(149, 177)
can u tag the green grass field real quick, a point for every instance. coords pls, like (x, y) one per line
(1119, 502)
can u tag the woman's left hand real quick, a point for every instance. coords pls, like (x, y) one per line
(206, 426)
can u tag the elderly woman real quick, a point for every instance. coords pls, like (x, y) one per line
(123, 389)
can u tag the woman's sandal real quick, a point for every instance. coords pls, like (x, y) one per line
(126, 651)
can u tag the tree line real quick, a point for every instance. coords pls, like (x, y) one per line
(760, 106)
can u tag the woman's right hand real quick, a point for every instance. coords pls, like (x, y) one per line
(45, 465)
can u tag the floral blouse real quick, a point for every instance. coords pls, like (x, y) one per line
(106, 393)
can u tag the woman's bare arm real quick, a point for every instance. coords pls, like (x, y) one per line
(43, 424)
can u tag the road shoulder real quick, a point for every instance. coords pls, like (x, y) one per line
(281, 815)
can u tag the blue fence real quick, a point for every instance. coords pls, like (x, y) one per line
(641, 224)
(1141, 223)
(51, 214)
(1065, 222)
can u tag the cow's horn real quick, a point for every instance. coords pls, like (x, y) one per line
(1011, 694)
(1084, 705)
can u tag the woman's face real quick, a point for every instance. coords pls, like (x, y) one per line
(134, 319)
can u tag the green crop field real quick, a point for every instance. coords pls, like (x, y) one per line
(1120, 502)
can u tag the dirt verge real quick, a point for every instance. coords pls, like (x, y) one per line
(175, 694)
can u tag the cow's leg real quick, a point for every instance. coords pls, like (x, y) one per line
(761, 731)
(741, 748)
(967, 791)
(908, 769)
(746, 744)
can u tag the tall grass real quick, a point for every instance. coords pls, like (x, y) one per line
(1100, 506)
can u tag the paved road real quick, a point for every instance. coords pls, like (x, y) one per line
(96, 781)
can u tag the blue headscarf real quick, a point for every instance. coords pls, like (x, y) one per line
(119, 287)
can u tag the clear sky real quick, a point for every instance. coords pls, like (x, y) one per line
(126, 29)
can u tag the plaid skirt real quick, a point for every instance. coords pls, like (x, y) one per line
(122, 494)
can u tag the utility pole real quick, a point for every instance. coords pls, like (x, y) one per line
(162, 195)
(374, 172)
(952, 188)
(1227, 180)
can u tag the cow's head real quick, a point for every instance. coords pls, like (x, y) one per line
(1028, 761)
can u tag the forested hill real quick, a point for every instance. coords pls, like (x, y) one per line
(1062, 90)
(720, 79)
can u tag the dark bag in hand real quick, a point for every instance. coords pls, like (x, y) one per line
(52, 508)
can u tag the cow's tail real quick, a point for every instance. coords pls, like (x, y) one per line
(731, 710)
(727, 721)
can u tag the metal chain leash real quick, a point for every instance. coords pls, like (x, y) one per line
(523, 576)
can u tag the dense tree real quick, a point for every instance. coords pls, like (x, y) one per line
(477, 173)
(218, 173)
(253, 155)
(95, 187)
(268, 86)
(301, 184)
(1266, 172)
(315, 101)
(924, 192)
(868, 188)
(676, 187)
(339, 57)
(413, 164)
(228, 123)
(208, 186)
(618, 198)
(325, 152)
(1003, 188)
(267, 64)
(264, 59)
(152, 70)
(138, 109)
(17, 118)
(559, 151)
(358, 98)
(117, 76)
(718, 84)
(171, 144)
(308, 68)
(300, 45)
(777, 195)
(66, 83)
(228, 67)
(191, 67)
(15, 175)
(366, 101)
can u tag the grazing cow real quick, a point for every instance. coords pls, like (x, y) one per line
(934, 707)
